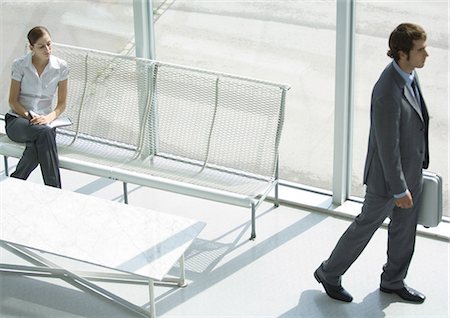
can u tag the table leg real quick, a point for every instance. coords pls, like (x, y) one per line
(182, 282)
(43, 267)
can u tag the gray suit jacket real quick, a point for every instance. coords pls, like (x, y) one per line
(398, 139)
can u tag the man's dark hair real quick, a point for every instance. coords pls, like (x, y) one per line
(401, 39)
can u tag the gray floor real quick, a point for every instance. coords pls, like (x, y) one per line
(230, 276)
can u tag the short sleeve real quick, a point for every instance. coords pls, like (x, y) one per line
(64, 71)
(17, 71)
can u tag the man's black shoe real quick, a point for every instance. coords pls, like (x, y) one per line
(336, 292)
(406, 293)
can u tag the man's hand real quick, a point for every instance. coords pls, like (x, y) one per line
(405, 202)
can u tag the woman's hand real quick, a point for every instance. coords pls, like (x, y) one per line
(41, 119)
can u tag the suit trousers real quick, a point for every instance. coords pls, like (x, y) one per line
(401, 239)
(40, 149)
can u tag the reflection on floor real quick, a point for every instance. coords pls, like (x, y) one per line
(230, 276)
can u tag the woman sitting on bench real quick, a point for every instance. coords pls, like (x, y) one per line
(35, 78)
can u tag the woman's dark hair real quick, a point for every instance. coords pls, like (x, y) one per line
(401, 39)
(36, 33)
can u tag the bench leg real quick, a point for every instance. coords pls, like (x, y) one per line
(277, 200)
(253, 235)
(151, 290)
(277, 170)
(5, 162)
(125, 193)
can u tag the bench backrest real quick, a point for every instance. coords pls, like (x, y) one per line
(150, 107)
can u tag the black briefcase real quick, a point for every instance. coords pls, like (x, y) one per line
(430, 208)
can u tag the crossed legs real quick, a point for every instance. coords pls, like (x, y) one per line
(40, 150)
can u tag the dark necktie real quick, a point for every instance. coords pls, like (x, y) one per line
(425, 118)
(416, 93)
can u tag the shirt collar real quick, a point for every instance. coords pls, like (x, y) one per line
(53, 63)
(408, 78)
(28, 60)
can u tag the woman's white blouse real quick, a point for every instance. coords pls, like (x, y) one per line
(38, 92)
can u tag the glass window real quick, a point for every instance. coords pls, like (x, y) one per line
(374, 23)
(101, 25)
(269, 40)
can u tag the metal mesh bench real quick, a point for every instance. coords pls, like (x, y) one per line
(185, 130)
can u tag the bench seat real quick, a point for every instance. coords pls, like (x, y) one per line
(160, 171)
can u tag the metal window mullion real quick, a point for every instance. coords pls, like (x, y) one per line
(144, 33)
(345, 38)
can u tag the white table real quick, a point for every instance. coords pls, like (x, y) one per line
(141, 244)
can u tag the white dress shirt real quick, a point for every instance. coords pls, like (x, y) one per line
(408, 78)
(38, 92)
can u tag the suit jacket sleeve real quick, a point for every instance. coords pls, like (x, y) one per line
(386, 120)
